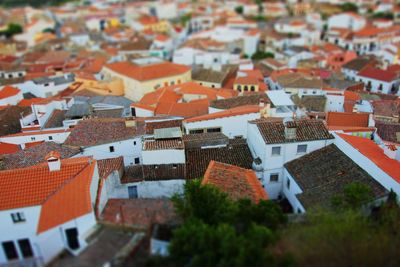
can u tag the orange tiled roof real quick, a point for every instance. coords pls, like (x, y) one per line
(347, 119)
(227, 113)
(6, 148)
(237, 182)
(8, 91)
(373, 152)
(68, 188)
(148, 72)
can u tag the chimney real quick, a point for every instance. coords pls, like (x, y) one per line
(290, 129)
(53, 159)
(355, 109)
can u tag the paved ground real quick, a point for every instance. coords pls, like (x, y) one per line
(102, 248)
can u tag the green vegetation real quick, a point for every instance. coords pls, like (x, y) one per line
(259, 55)
(349, 7)
(239, 10)
(217, 231)
(11, 30)
(220, 232)
(382, 15)
(185, 19)
(345, 237)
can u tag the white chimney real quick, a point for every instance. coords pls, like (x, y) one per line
(53, 159)
(290, 129)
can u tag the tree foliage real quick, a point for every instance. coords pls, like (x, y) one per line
(220, 232)
(349, 7)
(11, 30)
(259, 55)
(239, 10)
(354, 196)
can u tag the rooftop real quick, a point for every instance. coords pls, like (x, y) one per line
(273, 132)
(68, 188)
(237, 182)
(324, 173)
(243, 110)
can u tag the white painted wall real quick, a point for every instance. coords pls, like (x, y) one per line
(291, 192)
(28, 137)
(165, 156)
(230, 126)
(334, 103)
(12, 100)
(129, 149)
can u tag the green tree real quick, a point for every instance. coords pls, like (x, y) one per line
(239, 10)
(11, 30)
(205, 203)
(259, 55)
(349, 7)
(354, 196)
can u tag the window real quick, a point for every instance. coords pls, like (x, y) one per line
(301, 149)
(134, 143)
(246, 88)
(174, 166)
(46, 84)
(276, 151)
(298, 210)
(10, 76)
(10, 250)
(239, 88)
(212, 86)
(274, 177)
(137, 160)
(33, 138)
(252, 88)
(172, 83)
(50, 137)
(111, 149)
(25, 248)
(214, 130)
(196, 131)
(288, 183)
(314, 92)
(18, 217)
(20, 74)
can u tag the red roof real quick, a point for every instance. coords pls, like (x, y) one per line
(6, 148)
(148, 72)
(378, 74)
(8, 91)
(29, 102)
(237, 182)
(68, 188)
(338, 120)
(242, 110)
(373, 152)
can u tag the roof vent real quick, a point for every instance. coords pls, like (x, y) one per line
(53, 159)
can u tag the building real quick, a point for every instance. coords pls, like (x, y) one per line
(141, 77)
(274, 143)
(10, 96)
(47, 208)
(379, 81)
(316, 179)
(230, 122)
(237, 182)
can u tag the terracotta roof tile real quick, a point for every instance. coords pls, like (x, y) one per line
(242, 110)
(378, 74)
(107, 166)
(373, 152)
(6, 148)
(237, 182)
(152, 144)
(68, 188)
(147, 72)
(273, 132)
(8, 91)
(347, 119)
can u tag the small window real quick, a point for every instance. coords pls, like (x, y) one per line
(214, 130)
(33, 138)
(212, 86)
(10, 76)
(50, 137)
(314, 92)
(301, 149)
(298, 210)
(252, 88)
(174, 166)
(137, 160)
(18, 217)
(20, 74)
(276, 151)
(111, 149)
(196, 131)
(46, 84)
(274, 177)
(288, 183)
(172, 83)
(179, 81)
(134, 143)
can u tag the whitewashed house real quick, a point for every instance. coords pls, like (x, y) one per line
(47, 86)
(46, 209)
(274, 143)
(350, 21)
(10, 96)
(108, 138)
(230, 122)
(379, 81)
(314, 180)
